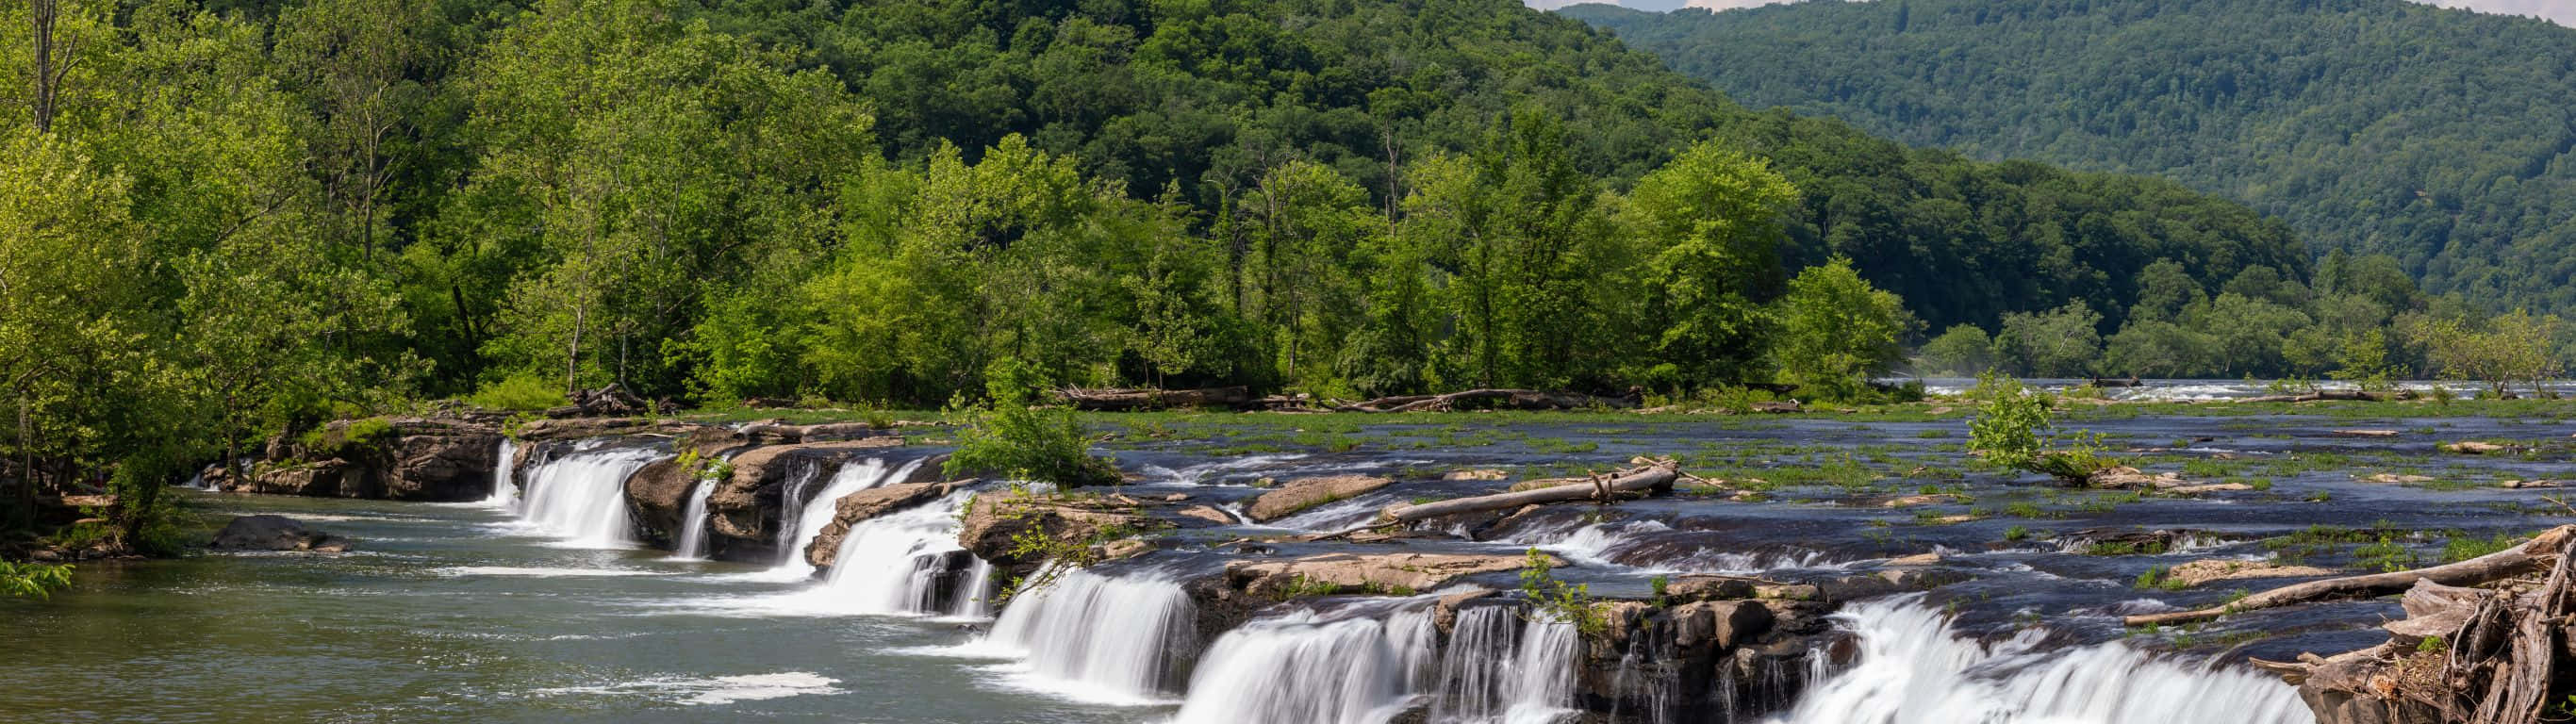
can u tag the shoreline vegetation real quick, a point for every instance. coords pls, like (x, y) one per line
(229, 225)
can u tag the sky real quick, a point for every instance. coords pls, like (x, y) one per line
(2562, 12)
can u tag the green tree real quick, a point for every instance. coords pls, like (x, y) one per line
(1960, 350)
(1837, 331)
(2057, 343)
(1711, 219)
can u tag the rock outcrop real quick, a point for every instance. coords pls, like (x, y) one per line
(746, 508)
(1386, 573)
(994, 521)
(1303, 493)
(403, 458)
(275, 533)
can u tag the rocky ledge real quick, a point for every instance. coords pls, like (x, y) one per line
(399, 458)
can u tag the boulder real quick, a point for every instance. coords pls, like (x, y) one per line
(864, 505)
(401, 458)
(994, 522)
(747, 508)
(2473, 447)
(1386, 573)
(1303, 493)
(275, 533)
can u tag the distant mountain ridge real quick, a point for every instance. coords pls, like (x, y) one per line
(2443, 138)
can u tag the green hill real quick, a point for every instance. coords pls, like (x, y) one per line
(2440, 137)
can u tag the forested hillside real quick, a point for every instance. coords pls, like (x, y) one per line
(223, 220)
(2440, 137)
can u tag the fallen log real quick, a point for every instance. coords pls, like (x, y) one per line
(2324, 395)
(2530, 557)
(1493, 398)
(1124, 400)
(1650, 475)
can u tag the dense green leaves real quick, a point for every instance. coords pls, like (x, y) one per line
(2440, 138)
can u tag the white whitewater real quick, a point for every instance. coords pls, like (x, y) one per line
(505, 491)
(1307, 669)
(892, 564)
(1913, 670)
(1500, 669)
(581, 497)
(811, 513)
(1108, 639)
(692, 543)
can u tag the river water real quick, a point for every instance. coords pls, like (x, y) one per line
(461, 613)
(531, 608)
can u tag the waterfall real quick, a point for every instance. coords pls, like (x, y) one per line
(1543, 673)
(1306, 669)
(1499, 670)
(1914, 670)
(692, 543)
(582, 496)
(811, 513)
(895, 563)
(505, 493)
(1124, 635)
(975, 601)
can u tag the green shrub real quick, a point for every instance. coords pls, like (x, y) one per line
(522, 392)
(1558, 600)
(2010, 431)
(1010, 436)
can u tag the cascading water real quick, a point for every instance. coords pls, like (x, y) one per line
(1304, 668)
(582, 496)
(1499, 670)
(1914, 670)
(692, 543)
(1122, 636)
(810, 514)
(505, 491)
(895, 563)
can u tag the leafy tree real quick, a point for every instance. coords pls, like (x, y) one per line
(1962, 349)
(1712, 218)
(1837, 331)
(2057, 343)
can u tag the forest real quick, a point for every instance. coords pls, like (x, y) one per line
(2438, 137)
(224, 221)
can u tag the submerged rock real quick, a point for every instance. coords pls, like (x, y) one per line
(275, 533)
(1304, 493)
(2227, 569)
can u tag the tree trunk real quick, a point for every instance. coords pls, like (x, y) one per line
(49, 78)
(2523, 559)
(1653, 474)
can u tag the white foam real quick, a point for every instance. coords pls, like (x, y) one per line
(715, 690)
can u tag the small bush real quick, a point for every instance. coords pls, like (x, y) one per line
(2011, 430)
(523, 393)
(1012, 437)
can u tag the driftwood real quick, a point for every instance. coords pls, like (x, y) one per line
(1122, 400)
(2322, 395)
(2530, 557)
(1649, 475)
(1501, 399)
(2493, 655)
